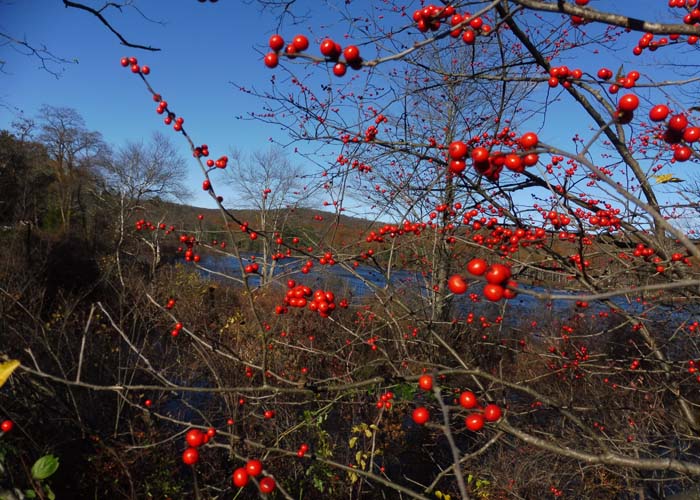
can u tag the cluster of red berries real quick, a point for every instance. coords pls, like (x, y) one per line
(490, 164)
(251, 268)
(299, 44)
(170, 116)
(469, 30)
(392, 230)
(468, 400)
(176, 329)
(557, 220)
(170, 303)
(253, 468)
(563, 75)
(194, 439)
(606, 218)
(297, 296)
(245, 229)
(498, 286)
(678, 130)
(321, 301)
(303, 448)
(356, 164)
(625, 82)
(190, 242)
(142, 224)
(133, 63)
(647, 41)
(430, 17)
(222, 162)
(330, 49)
(385, 400)
(692, 369)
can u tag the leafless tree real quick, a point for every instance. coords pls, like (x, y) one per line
(268, 182)
(140, 171)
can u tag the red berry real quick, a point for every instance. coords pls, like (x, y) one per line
(691, 134)
(194, 438)
(605, 73)
(421, 415)
(457, 150)
(529, 140)
(240, 477)
(497, 274)
(456, 284)
(328, 48)
(492, 292)
(457, 166)
(254, 467)
(7, 425)
(352, 54)
(492, 412)
(190, 456)
(658, 113)
(271, 60)
(300, 43)
(425, 382)
(628, 102)
(474, 422)
(682, 153)
(477, 267)
(339, 69)
(677, 123)
(480, 154)
(468, 400)
(276, 43)
(267, 485)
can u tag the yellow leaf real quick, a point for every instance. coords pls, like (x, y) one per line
(664, 178)
(6, 370)
(353, 442)
(368, 433)
(438, 494)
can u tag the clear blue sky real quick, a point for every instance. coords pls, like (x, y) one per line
(204, 47)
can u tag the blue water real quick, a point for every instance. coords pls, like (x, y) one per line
(345, 284)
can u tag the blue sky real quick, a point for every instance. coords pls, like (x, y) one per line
(204, 47)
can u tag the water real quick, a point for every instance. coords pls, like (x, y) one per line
(364, 280)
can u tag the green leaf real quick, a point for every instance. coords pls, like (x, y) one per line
(44, 467)
(49, 492)
(30, 493)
